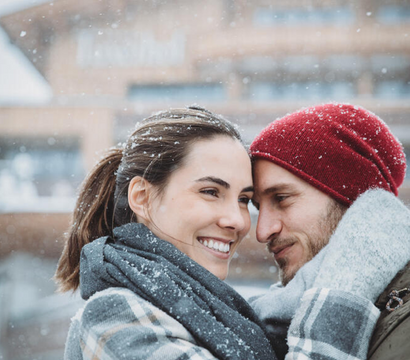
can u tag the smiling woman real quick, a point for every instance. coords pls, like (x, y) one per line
(154, 230)
(203, 210)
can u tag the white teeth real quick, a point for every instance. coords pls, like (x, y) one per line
(216, 245)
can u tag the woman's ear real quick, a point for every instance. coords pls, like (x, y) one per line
(138, 197)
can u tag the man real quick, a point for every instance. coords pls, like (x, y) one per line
(309, 168)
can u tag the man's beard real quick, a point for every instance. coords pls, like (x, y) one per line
(318, 237)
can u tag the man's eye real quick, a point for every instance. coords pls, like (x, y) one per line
(280, 198)
(212, 192)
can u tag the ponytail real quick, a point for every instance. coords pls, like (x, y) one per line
(92, 218)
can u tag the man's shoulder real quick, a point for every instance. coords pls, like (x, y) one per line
(390, 338)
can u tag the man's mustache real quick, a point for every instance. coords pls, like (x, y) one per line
(278, 243)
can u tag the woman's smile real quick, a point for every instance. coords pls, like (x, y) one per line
(209, 198)
(218, 246)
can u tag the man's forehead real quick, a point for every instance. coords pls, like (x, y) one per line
(264, 170)
(271, 178)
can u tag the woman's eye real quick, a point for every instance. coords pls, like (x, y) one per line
(245, 200)
(212, 192)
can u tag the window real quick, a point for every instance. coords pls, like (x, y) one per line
(179, 92)
(384, 64)
(34, 171)
(340, 16)
(306, 90)
(392, 89)
(394, 14)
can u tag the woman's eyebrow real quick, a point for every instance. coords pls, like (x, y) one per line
(215, 180)
(248, 189)
(224, 183)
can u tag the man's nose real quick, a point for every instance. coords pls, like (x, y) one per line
(268, 227)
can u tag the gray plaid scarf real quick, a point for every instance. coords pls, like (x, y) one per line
(218, 318)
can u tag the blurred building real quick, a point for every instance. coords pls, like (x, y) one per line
(105, 64)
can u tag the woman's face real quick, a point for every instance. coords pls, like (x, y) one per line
(203, 210)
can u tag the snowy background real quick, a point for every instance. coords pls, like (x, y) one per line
(76, 75)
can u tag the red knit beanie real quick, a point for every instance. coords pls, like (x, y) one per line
(343, 150)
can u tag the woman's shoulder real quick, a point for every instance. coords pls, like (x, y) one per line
(113, 303)
(113, 295)
(117, 323)
(121, 308)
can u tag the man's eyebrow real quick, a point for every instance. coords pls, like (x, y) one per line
(215, 180)
(277, 188)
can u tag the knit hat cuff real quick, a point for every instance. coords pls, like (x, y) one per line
(299, 173)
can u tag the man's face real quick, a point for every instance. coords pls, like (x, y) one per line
(296, 220)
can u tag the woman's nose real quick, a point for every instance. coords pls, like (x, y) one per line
(234, 217)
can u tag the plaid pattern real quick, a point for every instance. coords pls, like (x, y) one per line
(331, 325)
(213, 313)
(118, 324)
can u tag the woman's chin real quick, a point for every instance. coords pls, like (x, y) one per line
(220, 273)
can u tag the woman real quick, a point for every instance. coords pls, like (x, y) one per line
(184, 177)
(156, 224)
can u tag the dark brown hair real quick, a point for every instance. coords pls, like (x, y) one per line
(156, 148)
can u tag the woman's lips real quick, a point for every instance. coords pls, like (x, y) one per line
(218, 247)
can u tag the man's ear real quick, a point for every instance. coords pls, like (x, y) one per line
(138, 197)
